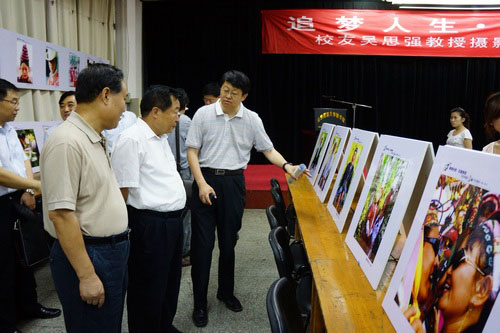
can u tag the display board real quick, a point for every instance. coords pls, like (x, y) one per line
(383, 203)
(319, 150)
(34, 64)
(448, 275)
(361, 145)
(330, 162)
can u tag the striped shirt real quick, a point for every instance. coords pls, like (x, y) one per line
(226, 143)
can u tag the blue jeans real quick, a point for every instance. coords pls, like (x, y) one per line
(110, 264)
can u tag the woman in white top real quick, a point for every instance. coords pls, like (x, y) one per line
(492, 122)
(459, 136)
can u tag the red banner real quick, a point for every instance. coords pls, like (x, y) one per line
(381, 32)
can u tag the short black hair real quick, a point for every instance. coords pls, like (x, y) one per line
(156, 96)
(64, 95)
(211, 88)
(93, 79)
(183, 98)
(237, 79)
(5, 86)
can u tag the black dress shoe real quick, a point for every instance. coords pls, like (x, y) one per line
(232, 303)
(200, 317)
(42, 312)
(173, 329)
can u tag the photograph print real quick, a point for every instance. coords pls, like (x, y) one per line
(51, 67)
(448, 275)
(24, 62)
(30, 146)
(379, 203)
(456, 277)
(329, 158)
(346, 176)
(74, 69)
(319, 151)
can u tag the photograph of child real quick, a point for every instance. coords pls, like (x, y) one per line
(24, 54)
(74, 69)
(454, 281)
(30, 146)
(345, 182)
(330, 157)
(51, 67)
(379, 203)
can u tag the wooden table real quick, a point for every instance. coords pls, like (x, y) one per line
(342, 298)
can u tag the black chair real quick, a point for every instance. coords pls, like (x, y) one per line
(282, 308)
(296, 247)
(274, 183)
(271, 213)
(278, 239)
(286, 215)
(280, 207)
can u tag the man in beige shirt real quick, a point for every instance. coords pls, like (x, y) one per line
(84, 209)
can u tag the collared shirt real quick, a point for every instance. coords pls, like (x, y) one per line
(184, 123)
(76, 174)
(226, 143)
(12, 155)
(145, 165)
(127, 119)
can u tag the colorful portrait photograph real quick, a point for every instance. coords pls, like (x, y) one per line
(30, 146)
(74, 69)
(24, 62)
(329, 158)
(346, 175)
(51, 67)
(317, 151)
(453, 276)
(379, 203)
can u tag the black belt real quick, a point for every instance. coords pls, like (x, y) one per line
(107, 240)
(173, 214)
(222, 172)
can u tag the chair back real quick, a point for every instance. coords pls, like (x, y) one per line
(271, 217)
(275, 184)
(282, 309)
(280, 208)
(279, 241)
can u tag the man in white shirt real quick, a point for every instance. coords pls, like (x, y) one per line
(146, 172)
(18, 295)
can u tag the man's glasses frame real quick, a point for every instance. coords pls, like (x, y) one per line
(14, 102)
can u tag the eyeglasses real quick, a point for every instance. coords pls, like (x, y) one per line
(460, 256)
(227, 92)
(14, 102)
(434, 242)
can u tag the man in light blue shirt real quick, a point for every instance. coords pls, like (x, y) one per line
(127, 119)
(183, 167)
(17, 284)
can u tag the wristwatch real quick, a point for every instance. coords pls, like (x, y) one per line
(30, 191)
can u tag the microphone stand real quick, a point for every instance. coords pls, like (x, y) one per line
(354, 105)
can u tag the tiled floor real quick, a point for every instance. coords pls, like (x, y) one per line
(255, 271)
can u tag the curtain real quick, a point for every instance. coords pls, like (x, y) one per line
(83, 25)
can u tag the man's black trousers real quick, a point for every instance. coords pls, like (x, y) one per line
(225, 215)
